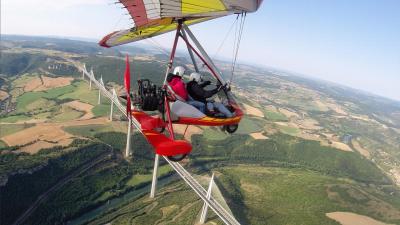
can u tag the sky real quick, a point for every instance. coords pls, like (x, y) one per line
(355, 43)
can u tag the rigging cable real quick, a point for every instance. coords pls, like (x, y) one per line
(226, 36)
(157, 46)
(237, 44)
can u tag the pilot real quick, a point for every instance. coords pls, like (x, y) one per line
(195, 88)
(175, 81)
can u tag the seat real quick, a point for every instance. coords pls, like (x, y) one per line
(183, 109)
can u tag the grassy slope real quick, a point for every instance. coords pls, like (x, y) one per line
(175, 204)
(297, 196)
(23, 189)
(138, 179)
(277, 196)
(290, 151)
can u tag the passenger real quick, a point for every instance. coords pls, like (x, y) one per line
(196, 89)
(177, 84)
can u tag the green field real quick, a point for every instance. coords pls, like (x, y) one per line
(13, 119)
(40, 104)
(92, 130)
(67, 113)
(82, 93)
(57, 92)
(305, 105)
(289, 130)
(249, 125)
(275, 116)
(29, 97)
(12, 128)
(101, 110)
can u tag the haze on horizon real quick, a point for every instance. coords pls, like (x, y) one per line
(354, 43)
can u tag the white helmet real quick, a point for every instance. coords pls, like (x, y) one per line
(195, 76)
(179, 70)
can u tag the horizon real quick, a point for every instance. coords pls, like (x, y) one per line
(323, 41)
(265, 67)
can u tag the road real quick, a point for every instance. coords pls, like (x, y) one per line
(43, 197)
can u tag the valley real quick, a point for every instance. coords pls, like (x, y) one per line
(305, 150)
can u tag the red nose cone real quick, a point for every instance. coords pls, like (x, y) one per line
(172, 148)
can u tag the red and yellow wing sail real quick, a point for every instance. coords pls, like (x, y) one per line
(155, 17)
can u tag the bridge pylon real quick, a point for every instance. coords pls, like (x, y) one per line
(204, 210)
(154, 181)
(128, 139)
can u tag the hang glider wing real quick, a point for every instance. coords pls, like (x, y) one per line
(139, 33)
(155, 17)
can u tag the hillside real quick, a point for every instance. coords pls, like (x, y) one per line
(304, 151)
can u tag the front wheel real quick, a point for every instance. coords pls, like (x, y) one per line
(177, 158)
(231, 128)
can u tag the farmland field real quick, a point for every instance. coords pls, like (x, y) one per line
(275, 116)
(13, 128)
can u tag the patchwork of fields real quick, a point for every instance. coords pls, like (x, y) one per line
(45, 112)
(304, 153)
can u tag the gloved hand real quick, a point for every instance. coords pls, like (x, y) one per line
(227, 87)
(207, 82)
